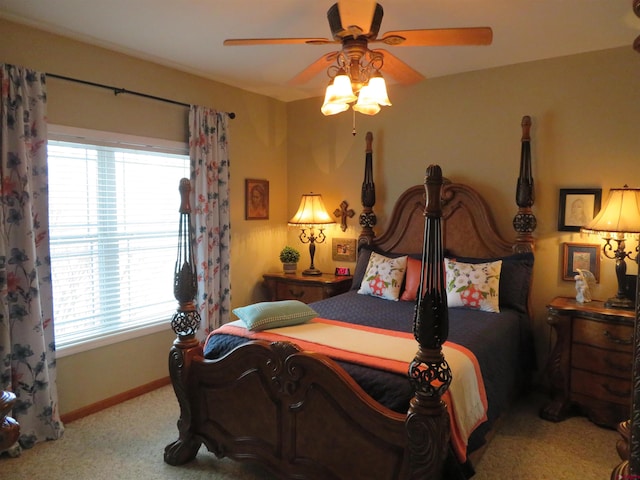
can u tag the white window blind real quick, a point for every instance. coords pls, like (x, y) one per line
(113, 214)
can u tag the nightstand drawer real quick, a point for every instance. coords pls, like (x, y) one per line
(616, 364)
(603, 388)
(304, 293)
(306, 289)
(604, 335)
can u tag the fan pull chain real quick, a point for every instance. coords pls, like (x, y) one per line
(353, 131)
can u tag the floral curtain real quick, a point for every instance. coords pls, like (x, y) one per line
(27, 349)
(209, 152)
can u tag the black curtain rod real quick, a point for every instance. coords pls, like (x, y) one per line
(117, 91)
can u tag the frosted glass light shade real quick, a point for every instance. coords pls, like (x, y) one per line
(366, 103)
(378, 91)
(342, 91)
(332, 107)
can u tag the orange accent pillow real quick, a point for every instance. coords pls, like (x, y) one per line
(412, 280)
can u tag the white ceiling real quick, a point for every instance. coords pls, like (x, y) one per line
(188, 34)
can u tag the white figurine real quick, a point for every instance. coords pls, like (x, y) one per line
(585, 281)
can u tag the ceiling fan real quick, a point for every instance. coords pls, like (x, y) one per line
(355, 24)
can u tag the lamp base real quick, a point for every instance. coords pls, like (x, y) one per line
(311, 272)
(620, 302)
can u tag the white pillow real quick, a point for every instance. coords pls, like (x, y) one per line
(383, 277)
(473, 285)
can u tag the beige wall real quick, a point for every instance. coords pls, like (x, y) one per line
(585, 111)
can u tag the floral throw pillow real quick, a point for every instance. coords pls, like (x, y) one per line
(473, 285)
(383, 277)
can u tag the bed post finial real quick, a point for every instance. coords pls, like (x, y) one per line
(427, 420)
(524, 223)
(368, 219)
(186, 320)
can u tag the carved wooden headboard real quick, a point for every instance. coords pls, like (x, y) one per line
(468, 225)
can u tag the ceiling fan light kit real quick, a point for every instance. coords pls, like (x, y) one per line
(356, 74)
(361, 82)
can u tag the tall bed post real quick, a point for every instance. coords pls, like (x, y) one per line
(524, 223)
(185, 324)
(368, 218)
(427, 422)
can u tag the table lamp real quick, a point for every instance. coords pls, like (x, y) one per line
(311, 213)
(619, 220)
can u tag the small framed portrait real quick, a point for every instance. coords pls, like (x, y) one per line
(578, 206)
(256, 199)
(582, 256)
(344, 249)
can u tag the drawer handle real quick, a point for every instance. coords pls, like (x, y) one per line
(296, 294)
(618, 340)
(619, 368)
(617, 393)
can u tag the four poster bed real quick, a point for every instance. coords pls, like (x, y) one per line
(276, 397)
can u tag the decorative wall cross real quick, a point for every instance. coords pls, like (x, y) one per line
(343, 213)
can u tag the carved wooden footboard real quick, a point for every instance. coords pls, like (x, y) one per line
(297, 413)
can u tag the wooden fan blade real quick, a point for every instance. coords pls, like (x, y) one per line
(357, 13)
(276, 41)
(314, 69)
(439, 37)
(399, 70)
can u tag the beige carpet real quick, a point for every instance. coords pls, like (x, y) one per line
(128, 440)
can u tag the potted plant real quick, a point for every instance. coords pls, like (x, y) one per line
(289, 257)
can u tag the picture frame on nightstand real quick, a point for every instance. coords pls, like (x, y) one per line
(343, 249)
(583, 256)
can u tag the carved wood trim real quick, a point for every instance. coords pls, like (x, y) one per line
(558, 367)
(9, 428)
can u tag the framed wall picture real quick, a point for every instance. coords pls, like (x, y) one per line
(256, 199)
(582, 256)
(578, 206)
(344, 249)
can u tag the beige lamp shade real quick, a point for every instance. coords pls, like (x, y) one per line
(340, 94)
(619, 216)
(311, 211)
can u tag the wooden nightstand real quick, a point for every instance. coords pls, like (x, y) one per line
(307, 289)
(590, 365)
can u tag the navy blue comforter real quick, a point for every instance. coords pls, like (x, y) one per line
(500, 341)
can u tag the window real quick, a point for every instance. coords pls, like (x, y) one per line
(113, 215)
